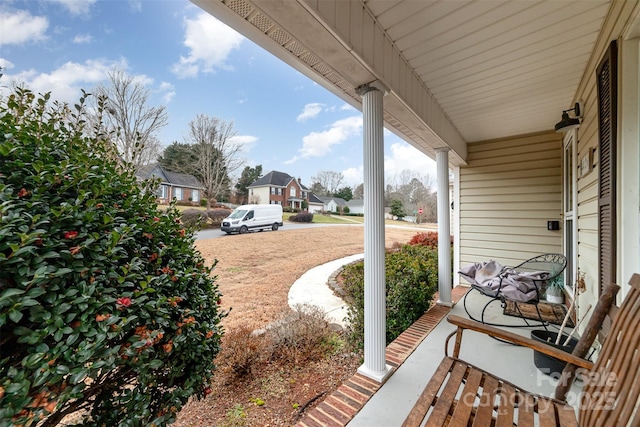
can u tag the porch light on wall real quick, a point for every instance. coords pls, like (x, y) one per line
(567, 123)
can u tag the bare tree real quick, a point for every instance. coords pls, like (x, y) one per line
(152, 150)
(330, 181)
(217, 154)
(415, 191)
(130, 122)
(358, 191)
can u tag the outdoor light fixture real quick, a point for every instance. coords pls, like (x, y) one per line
(567, 123)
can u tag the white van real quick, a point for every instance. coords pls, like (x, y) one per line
(253, 217)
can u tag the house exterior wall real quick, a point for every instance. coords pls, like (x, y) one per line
(508, 191)
(356, 209)
(490, 228)
(173, 191)
(314, 208)
(259, 195)
(277, 195)
(292, 191)
(588, 256)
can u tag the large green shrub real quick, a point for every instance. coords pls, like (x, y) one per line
(411, 281)
(105, 305)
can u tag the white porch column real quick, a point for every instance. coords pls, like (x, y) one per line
(444, 228)
(374, 365)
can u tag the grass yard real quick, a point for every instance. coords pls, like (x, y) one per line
(325, 219)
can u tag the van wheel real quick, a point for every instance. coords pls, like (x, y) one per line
(274, 227)
(244, 230)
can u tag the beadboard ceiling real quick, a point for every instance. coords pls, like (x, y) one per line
(458, 71)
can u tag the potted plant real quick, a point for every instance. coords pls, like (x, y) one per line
(555, 290)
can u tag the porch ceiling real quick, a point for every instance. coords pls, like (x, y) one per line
(457, 71)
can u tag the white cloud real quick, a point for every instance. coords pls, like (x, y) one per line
(404, 156)
(77, 7)
(209, 42)
(65, 82)
(353, 176)
(347, 107)
(169, 92)
(135, 5)
(5, 64)
(143, 79)
(245, 141)
(82, 38)
(21, 27)
(310, 111)
(317, 144)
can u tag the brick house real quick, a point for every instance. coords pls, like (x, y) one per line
(183, 187)
(279, 188)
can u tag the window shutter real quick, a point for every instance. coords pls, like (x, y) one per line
(607, 73)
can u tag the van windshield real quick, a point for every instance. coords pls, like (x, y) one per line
(238, 213)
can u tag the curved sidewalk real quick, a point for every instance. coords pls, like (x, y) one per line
(312, 288)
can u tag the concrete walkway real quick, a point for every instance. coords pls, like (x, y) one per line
(312, 288)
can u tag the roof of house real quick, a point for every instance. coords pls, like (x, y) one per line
(154, 170)
(355, 202)
(313, 199)
(276, 179)
(338, 200)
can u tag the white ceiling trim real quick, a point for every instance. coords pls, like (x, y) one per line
(458, 71)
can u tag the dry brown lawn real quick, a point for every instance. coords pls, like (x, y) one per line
(255, 272)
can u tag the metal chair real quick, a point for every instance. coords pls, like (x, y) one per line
(552, 264)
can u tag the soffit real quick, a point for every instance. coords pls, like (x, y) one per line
(458, 71)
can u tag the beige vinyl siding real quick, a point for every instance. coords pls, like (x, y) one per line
(588, 255)
(261, 195)
(508, 191)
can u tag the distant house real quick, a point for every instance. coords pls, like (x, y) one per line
(279, 188)
(315, 204)
(180, 186)
(356, 206)
(332, 204)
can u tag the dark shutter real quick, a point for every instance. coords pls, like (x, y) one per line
(607, 123)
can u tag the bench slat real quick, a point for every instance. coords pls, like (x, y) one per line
(464, 408)
(484, 414)
(445, 400)
(525, 410)
(547, 412)
(427, 396)
(505, 408)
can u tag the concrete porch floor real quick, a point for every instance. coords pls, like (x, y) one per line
(416, 354)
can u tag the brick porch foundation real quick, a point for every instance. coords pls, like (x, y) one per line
(341, 405)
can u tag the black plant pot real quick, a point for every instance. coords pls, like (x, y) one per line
(547, 364)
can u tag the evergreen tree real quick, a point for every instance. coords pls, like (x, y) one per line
(249, 176)
(397, 209)
(344, 193)
(178, 157)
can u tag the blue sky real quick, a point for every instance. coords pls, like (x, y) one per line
(192, 64)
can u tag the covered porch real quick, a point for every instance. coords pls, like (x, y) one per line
(481, 87)
(414, 357)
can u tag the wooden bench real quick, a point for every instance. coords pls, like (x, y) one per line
(460, 394)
